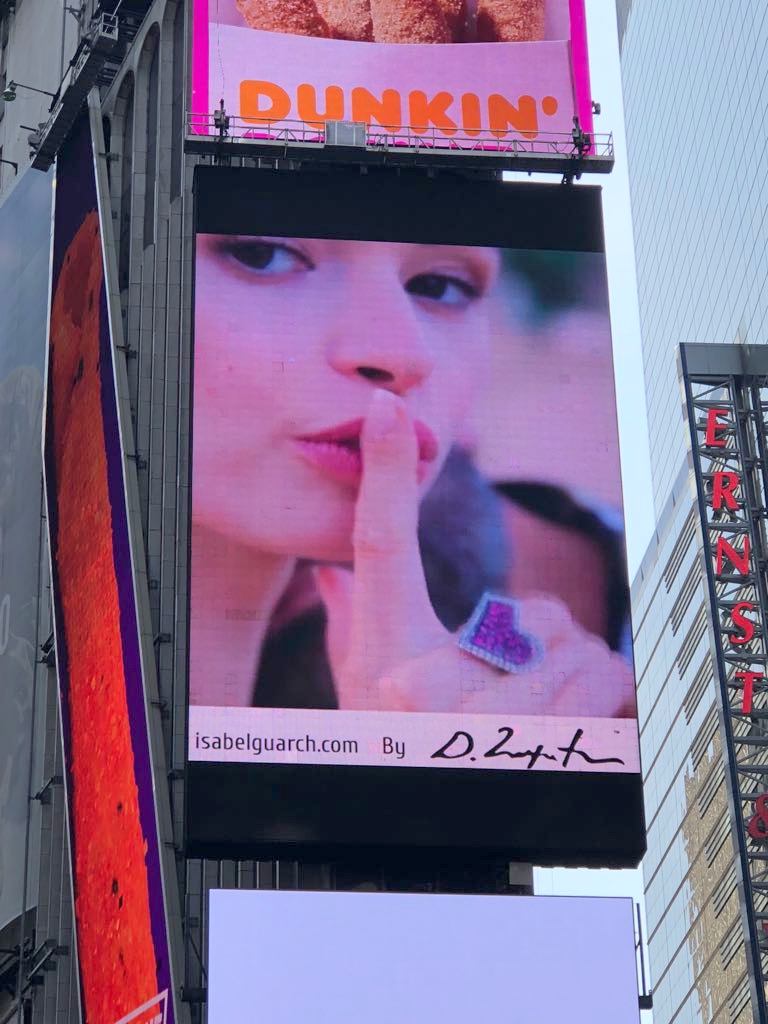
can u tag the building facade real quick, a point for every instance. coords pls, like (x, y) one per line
(693, 911)
(143, 96)
(696, 103)
(696, 109)
(35, 60)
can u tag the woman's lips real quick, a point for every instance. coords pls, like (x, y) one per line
(336, 451)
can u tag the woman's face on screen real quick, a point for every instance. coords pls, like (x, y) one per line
(291, 337)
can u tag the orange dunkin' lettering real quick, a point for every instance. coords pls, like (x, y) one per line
(471, 117)
(262, 101)
(386, 109)
(253, 91)
(307, 106)
(426, 112)
(503, 115)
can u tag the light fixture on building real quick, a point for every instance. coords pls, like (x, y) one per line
(9, 93)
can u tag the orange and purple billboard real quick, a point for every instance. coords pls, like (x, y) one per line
(445, 69)
(116, 852)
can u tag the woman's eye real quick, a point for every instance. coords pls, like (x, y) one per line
(450, 291)
(269, 257)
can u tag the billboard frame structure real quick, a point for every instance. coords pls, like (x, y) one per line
(220, 134)
(726, 403)
(154, 795)
(215, 793)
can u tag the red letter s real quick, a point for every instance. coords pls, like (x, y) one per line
(739, 619)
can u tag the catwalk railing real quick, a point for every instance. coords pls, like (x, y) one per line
(573, 152)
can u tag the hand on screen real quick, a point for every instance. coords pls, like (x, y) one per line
(389, 651)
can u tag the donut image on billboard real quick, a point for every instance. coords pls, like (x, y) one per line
(407, 543)
(442, 69)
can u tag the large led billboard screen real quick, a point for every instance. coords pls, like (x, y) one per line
(442, 69)
(383, 957)
(407, 551)
(121, 928)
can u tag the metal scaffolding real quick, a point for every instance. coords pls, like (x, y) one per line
(571, 154)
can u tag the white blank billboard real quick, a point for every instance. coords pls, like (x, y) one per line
(387, 958)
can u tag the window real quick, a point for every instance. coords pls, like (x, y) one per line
(177, 100)
(152, 99)
(106, 127)
(4, 29)
(126, 177)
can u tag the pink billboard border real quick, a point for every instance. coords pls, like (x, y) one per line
(200, 31)
(580, 59)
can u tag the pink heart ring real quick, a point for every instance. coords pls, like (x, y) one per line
(492, 635)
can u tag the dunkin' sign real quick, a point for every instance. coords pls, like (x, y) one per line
(447, 68)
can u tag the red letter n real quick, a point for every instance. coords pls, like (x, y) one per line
(738, 559)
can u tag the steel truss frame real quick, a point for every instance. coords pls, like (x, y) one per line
(739, 445)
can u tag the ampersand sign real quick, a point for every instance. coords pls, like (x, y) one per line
(757, 826)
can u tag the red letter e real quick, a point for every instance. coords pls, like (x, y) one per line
(714, 426)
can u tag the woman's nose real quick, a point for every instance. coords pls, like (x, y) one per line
(387, 347)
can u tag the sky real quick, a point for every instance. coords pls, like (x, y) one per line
(633, 427)
(633, 430)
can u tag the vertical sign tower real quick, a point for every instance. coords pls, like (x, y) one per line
(726, 394)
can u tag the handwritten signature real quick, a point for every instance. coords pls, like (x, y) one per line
(462, 744)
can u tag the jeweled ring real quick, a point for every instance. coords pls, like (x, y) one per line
(492, 634)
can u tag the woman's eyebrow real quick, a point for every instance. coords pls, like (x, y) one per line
(484, 262)
(480, 254)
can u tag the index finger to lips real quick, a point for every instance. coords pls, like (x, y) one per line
(392, 616)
